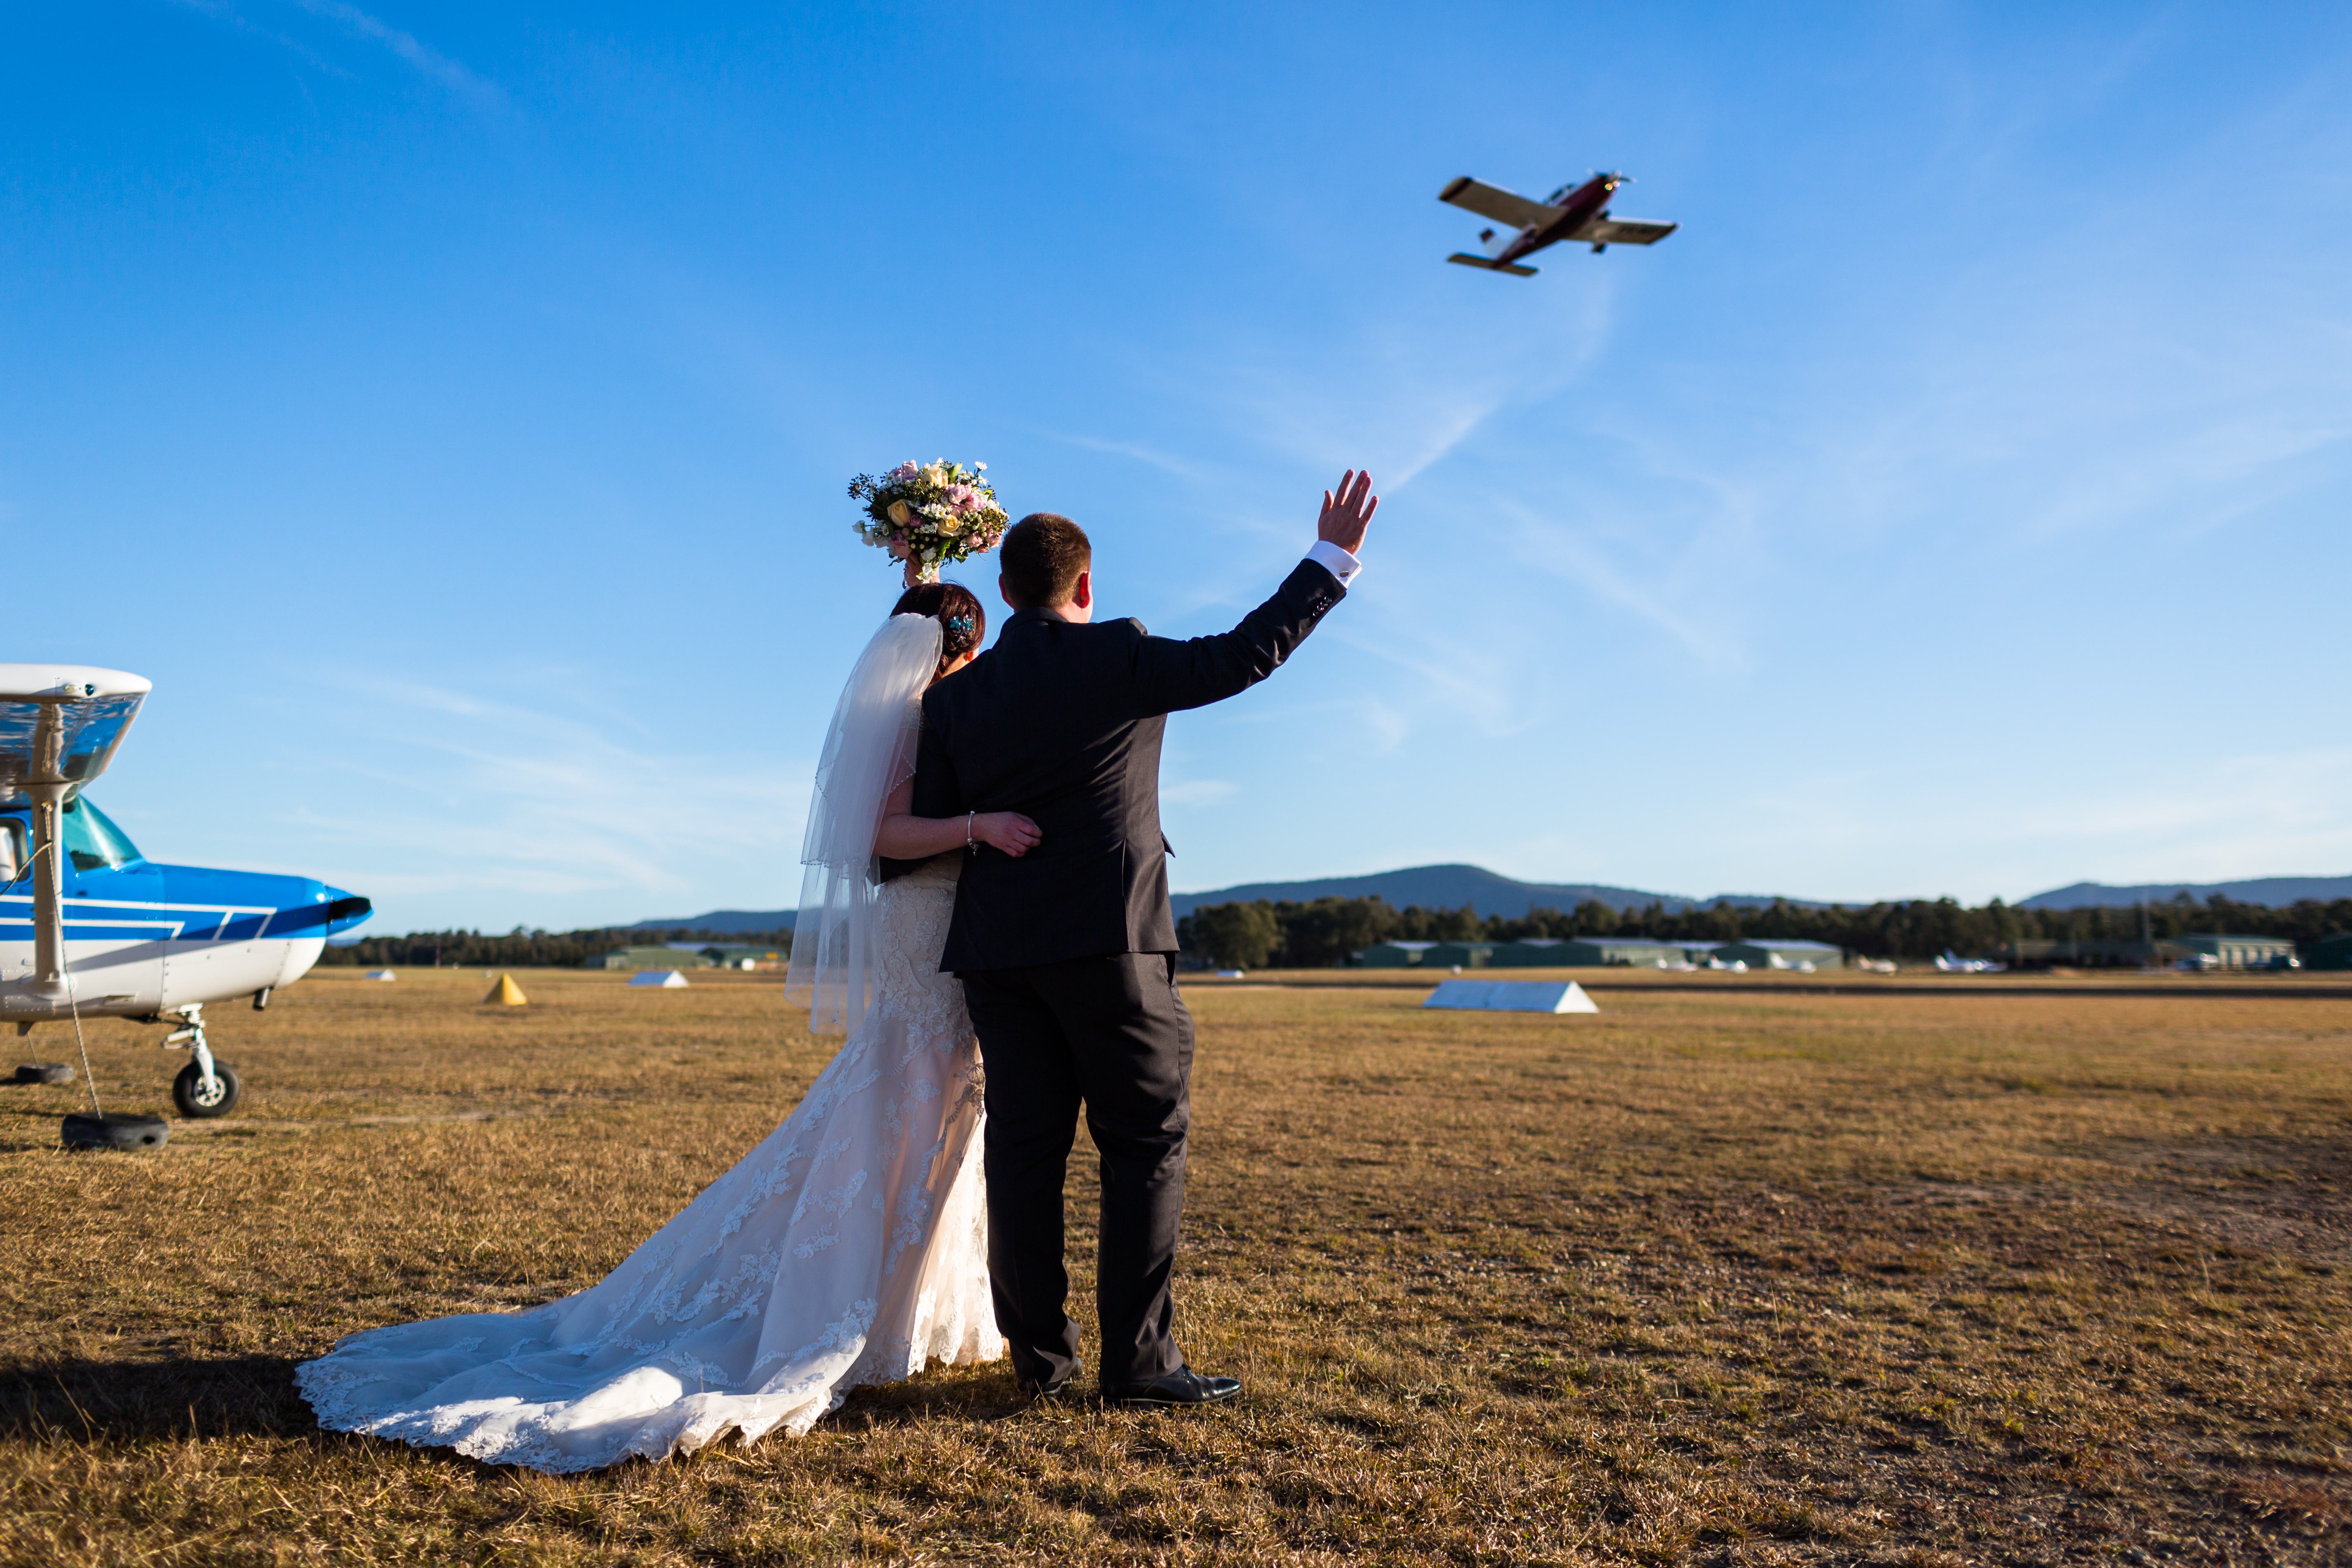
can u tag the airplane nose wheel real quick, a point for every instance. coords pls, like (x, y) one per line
(196, 1096)
(205, 1087)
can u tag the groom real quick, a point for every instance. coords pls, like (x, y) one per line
(1068, 954)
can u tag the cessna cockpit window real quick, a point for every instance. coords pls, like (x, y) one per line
(94, 843)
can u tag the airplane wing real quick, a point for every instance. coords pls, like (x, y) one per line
(1491, 201)
(1624, 231)
(60, 723)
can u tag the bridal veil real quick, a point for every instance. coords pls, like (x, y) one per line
(868, 751)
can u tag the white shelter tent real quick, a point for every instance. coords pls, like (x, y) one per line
(1511, 996)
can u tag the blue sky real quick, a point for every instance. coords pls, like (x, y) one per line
(448, 408)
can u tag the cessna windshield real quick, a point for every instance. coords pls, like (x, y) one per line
(94, 843)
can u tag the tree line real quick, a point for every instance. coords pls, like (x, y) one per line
(523, 948)
(1324, 932)
(1320, 933)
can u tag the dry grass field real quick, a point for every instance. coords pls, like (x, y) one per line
(1736, 1277)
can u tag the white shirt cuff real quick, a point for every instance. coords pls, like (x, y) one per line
(1334, 561)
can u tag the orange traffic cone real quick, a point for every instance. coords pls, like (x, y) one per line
(507, 993)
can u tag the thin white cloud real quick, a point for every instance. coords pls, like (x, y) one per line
(1444, 429)
(1149, 456)
(1198, 792)
(1900, 831)
(469, 803)
(1557, 548)
(426, 60)
(228, 17)
(439, 67)
(1398, 394)
(2095, 370)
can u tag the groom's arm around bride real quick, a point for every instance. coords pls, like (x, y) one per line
(1068, 955)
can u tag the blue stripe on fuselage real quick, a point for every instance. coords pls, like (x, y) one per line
(94, 922)
(200, 904)
(300, 921)
(76, 931)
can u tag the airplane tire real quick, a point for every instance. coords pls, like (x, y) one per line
(116, 1130)
(188, 1088)
(44, 1072)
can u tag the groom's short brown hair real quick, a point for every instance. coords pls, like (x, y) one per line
(1041, 557)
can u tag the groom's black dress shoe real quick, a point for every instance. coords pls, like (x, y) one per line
(1067, 1389)
(1183, 1387)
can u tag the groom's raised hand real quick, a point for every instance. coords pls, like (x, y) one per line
(1348, 512)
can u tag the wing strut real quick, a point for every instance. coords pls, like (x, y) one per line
(46, 790)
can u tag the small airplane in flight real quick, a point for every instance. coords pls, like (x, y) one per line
(1579, 212)
(90, 927)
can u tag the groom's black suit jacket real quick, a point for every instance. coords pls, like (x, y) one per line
(1062, 723)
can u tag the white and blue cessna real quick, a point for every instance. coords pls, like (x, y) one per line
(92, 928)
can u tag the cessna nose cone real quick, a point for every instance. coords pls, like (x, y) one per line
(345, 910)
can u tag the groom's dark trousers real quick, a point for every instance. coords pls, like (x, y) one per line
(1110, 1032)
(1068, 955)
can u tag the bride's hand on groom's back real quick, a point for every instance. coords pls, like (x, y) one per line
(1348, 512)
(1006, 830)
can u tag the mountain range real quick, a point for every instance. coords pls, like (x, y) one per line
(2276, 892)
(1491, 893)
(723, 922)
(1451, 887)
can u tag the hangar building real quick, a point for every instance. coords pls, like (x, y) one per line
(2231, 950)
(1585, 952)
(1780, 953)
(650, 958)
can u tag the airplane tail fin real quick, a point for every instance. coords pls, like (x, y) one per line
(1466, 260)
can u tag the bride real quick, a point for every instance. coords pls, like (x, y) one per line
(849, 1247)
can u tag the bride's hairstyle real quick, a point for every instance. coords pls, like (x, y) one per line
(1041, 559)
(962, 623)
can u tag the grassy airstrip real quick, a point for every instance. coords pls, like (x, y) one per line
(1710, 1278)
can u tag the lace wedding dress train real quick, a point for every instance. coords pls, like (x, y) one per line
(849, 1247)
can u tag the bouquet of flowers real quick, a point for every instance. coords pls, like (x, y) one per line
(929, 514)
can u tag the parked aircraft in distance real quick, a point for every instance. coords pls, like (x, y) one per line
(1579, 212)
(1952, 964)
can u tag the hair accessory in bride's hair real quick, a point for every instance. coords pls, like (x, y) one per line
(930, 513)
(958, 610)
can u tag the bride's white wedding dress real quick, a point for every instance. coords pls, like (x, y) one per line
(849, 1247)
